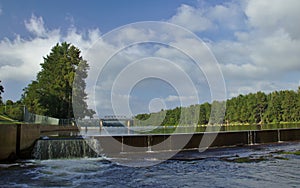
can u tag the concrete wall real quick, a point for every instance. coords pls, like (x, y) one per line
(289, 134)
(142, 143)
(231, 139)
(50, 128)
(19, 139)
(265, 136)
(8, 135)
(29, 134)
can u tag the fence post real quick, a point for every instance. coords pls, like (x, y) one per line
(24, 113)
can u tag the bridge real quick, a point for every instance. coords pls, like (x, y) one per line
(116, 120)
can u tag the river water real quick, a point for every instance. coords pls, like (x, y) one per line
(268, 165)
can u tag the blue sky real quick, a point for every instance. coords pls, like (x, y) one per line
(105, 14)
(255, 42)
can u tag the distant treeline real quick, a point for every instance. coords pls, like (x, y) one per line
(253, 108)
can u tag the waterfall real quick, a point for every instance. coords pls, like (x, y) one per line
(64, 148)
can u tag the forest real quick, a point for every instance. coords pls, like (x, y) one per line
(253, 108)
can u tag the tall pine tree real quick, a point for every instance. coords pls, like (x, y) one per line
(51, 94)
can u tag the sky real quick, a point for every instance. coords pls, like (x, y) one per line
(256, 44)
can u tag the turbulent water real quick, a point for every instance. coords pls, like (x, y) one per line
(252, 166)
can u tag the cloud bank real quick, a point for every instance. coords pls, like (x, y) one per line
(262, 45)
(256, 43)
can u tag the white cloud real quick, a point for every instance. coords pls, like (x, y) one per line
(21, 58)
(191, 18)
(266, 52)
(183, 99)
(226, 16)
(35, 25)
(245, 86)
(268, 16)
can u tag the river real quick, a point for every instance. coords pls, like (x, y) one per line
(267, 165)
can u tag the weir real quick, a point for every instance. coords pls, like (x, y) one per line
(63, 148)
(24, 141)
(222, 139)
(120, 144)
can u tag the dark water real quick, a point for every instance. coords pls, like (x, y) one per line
(212, 168)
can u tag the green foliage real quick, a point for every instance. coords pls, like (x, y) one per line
(253, 108)
(51, 94)
(12, 110)
(259, 108)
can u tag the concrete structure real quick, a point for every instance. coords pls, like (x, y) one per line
(17, 140)
(107, 119)
(8, 140)
(52, 128)
(161, 142)
(26, 137)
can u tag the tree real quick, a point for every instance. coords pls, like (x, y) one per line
(274, 111)
(51, 94)
(298, 105)
(288, 106)
(261, 107)
(204, 114)
(1, 91)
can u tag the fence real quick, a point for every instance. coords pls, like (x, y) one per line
(20, 113)
(39, 119)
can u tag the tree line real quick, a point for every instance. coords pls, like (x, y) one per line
(253, 108)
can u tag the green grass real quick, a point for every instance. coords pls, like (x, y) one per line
(6, 120)
(245, 159)
(290, 152)
(281, 158)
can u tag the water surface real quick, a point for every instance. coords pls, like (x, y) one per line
(212, 168)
